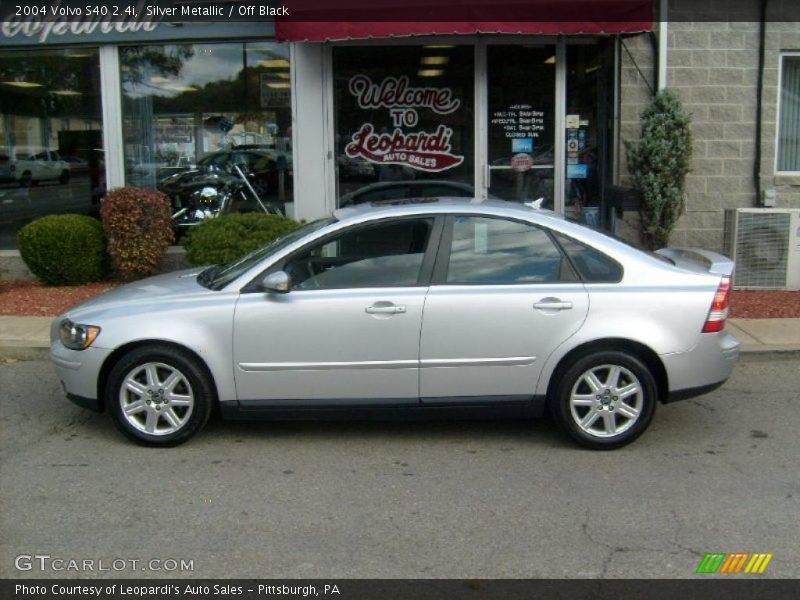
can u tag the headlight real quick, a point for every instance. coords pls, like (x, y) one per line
(76, 336)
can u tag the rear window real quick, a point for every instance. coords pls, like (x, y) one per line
(592, 265)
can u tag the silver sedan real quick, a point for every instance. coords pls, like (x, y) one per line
(429, 308)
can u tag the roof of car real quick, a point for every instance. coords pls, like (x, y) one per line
(433, 205)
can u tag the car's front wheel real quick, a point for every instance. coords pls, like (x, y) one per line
(605, 399)
(159, 395)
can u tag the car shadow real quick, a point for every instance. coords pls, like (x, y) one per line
(539, 432)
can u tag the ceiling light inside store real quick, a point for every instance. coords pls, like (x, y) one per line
(67, 93)
(430, 72)
(592, 69)
(281, 75)
(438, 47)
(274, 63)
(158, 80)
(22, 84)
(551, 60)
(434, 60)
(77, 54)
(279, 85)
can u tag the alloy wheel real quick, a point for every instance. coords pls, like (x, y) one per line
(606, 400)
(156, 398)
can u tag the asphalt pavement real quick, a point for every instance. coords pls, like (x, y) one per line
(481, 499)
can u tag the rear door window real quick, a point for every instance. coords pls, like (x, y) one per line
(495, 251)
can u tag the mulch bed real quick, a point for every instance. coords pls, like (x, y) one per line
(29, 298)
(748, 304)
(32, 299)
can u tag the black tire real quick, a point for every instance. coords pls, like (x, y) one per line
(26, 180)
(186, 422)
(580, 421)
(64, 177)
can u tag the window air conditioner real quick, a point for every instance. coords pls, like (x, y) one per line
(765, 244)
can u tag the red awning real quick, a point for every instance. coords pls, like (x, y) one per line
(331, 20)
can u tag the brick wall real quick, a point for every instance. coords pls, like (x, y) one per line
(713, 66)
(637, 56)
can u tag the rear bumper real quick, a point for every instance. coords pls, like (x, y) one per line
(704, 368)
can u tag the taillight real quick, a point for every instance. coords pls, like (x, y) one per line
(719, 307)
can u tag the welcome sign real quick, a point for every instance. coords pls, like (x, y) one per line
(430, 151)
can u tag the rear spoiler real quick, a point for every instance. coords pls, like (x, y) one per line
(697, 259)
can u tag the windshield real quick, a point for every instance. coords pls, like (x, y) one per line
(218, 276)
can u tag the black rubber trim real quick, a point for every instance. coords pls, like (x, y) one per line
(471, 408)
(686, 394)
(92, 404)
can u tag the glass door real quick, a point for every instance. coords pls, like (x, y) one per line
(521, 87)
(588, 131)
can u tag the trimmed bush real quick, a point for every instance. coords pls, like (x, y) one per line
(658, 164)
(64, 249)
(138, 225)
(229, 237)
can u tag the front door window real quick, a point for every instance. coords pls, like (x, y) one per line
(384, 255)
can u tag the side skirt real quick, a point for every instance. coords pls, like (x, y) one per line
(515, 407)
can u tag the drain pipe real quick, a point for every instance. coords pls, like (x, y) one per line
(663, 43)
(762, 34)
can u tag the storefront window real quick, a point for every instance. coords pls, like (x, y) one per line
(404, 122)
(521, 84)
(192, 109)
(51, 141)
(588, 132)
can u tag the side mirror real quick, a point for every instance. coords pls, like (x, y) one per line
(278, 282)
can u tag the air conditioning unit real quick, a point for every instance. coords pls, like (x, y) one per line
(765, 244)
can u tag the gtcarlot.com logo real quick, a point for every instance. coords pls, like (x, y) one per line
(734, 563)
(45, 562)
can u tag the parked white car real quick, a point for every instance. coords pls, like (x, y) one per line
(28, 169)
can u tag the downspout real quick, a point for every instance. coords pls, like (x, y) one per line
(762, 34)
(663, 43)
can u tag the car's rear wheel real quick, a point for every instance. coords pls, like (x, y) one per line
(64, 177)
(26, 180)
(159, 395)
(605, 399)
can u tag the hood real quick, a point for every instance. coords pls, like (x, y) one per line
(178, 284)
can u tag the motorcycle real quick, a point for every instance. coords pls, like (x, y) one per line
(209, 193)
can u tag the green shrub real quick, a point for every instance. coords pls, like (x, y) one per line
(138, 225)
(229, 237)
(658, 164)
(64, 249)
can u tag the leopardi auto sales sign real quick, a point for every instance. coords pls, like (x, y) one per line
(423, 150)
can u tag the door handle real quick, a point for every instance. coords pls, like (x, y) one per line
(385, 310)
(552, 304)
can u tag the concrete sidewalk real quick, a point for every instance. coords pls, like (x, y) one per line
(26, 337)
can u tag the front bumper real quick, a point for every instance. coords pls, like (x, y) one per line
(703, 368)
(79, 372)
